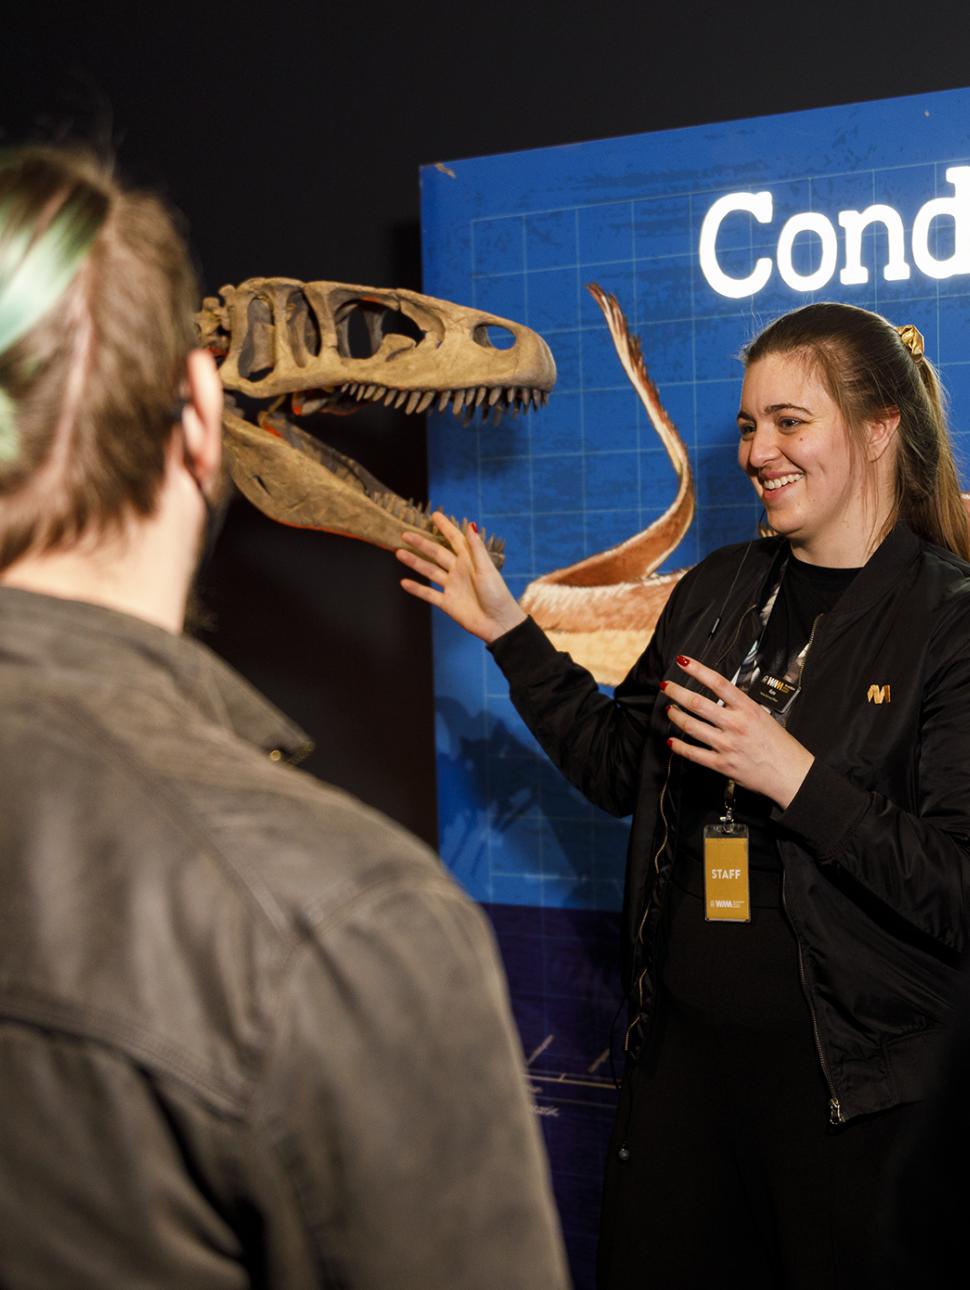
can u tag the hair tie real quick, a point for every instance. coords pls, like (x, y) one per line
(912, 338)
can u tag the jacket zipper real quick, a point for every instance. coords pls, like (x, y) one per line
(835, 1106)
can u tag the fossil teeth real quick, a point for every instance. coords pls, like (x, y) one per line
(496, 415)
(370, 391)
(493, 396)
(443, 398)
(480, 396)
(426, 400)
(545, 397)
(459, 401)
(390, 397)
(401, 398)
(413, 401)
(510, 395)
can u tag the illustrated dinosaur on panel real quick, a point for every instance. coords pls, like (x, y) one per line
(603, 609)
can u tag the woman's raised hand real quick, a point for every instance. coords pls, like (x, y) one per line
(473, 592)
(743, 741)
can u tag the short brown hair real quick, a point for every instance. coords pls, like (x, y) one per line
(867, 370)
(88, 391)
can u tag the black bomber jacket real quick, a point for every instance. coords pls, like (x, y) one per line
(875, 846)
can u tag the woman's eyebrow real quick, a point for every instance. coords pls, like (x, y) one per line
(775, 407)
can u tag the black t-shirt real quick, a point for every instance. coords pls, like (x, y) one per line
(807, 591)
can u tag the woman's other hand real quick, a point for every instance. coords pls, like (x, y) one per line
(473, 592)
(743, 741)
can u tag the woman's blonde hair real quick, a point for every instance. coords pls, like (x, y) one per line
(96, 300)
(868, 369)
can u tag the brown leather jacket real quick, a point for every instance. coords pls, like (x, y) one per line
(251, 1033)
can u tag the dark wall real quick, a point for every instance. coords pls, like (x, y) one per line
(290, 136)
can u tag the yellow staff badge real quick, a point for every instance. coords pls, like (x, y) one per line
(726, 880)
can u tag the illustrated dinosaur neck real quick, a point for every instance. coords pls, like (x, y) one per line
(603, 609)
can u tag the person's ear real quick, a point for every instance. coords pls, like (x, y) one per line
(202, 416)
(881, 432)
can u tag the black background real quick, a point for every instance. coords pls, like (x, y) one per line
(290, 136)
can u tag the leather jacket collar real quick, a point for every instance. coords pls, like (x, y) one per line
(72, 635)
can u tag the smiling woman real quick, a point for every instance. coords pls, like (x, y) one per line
(792, 746)
(796, 449)
(869, 393)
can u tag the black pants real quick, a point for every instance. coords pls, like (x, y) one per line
(734, 1175)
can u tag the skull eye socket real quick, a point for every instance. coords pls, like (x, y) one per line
(492, 336)
(363, 324)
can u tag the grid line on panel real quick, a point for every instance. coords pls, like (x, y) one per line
(875, 276)
(811, 207)
(693, 351)
(718, 188)
(532, 527)
(936, 186)
(489, 879)
(638, 411)
(582, 389)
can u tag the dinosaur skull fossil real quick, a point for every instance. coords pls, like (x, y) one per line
(331, 347)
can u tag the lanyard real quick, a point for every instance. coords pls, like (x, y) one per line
(774, 693)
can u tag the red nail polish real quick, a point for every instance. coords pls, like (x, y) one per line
(663, 685)
(670, 743)
(682, 661)
(473, 526)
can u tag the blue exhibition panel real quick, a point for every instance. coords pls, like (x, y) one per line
(703, 234)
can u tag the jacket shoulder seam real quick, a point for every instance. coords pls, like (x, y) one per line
(177, 809)
(96, 1026)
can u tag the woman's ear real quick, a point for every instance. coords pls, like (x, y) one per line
(881, 432)
(202, 416)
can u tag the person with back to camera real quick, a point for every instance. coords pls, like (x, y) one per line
(251, 1033)
(794, 746)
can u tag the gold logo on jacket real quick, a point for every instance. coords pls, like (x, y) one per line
(879, 694)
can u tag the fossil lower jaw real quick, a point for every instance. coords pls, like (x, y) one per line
(300, 481)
